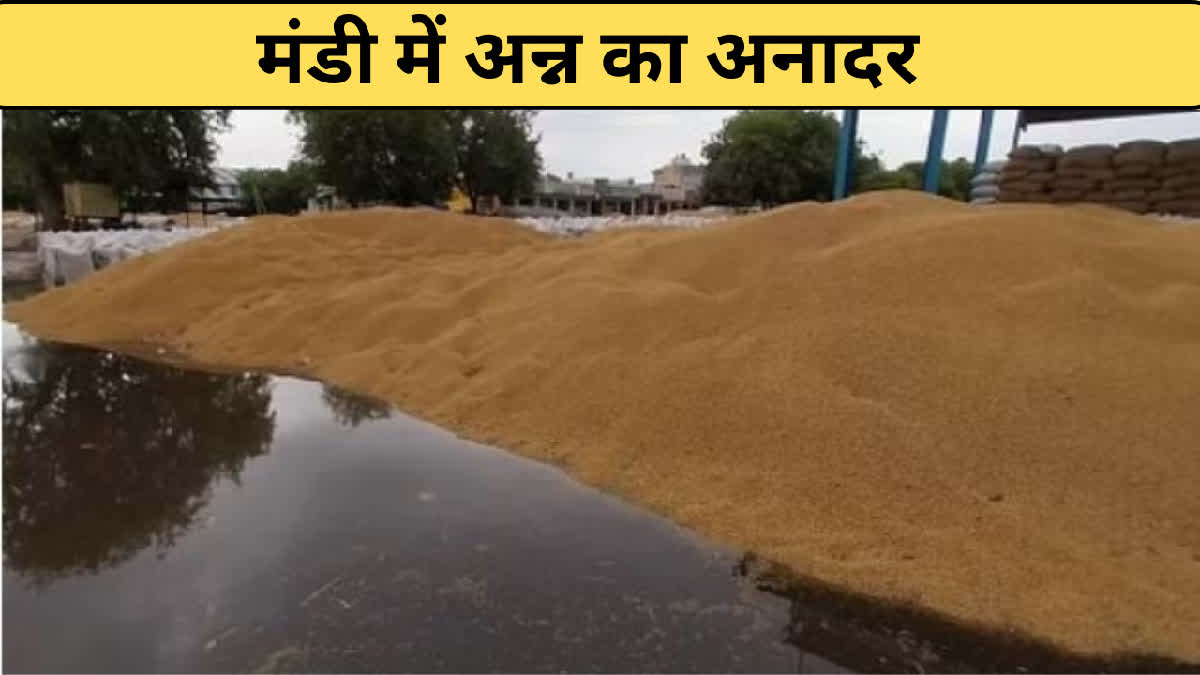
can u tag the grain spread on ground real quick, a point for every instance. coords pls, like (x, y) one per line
(990, 412)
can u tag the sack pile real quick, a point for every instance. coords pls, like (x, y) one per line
(1027, 175)
(985, 186)
(1082, 173)
(1179, 191)
(1138, 176)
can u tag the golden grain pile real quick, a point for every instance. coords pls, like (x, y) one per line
(992, 412)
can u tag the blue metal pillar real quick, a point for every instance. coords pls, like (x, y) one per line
(985, 139)
(933, 155)
(842, 174)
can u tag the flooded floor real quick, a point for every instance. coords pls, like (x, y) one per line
(163, 520)
(158, 519)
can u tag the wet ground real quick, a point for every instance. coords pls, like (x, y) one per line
(157, 519)
(163, 520)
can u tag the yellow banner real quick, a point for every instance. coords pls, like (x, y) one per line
(980, 56)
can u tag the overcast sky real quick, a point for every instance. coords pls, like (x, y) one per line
(631, 143)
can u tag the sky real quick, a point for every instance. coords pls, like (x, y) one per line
(631, 143)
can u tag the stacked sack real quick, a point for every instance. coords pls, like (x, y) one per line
(985, 186)
(1082, 174)
(1179, 189)
(1028, 174)
(1137, 168)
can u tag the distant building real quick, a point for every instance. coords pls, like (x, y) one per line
(592, 197)
(675, 186)
(679, 181)
(225, 194)
(326, 199)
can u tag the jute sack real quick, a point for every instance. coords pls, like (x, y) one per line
(1183, 207)
(1084, 172)
(1119, 184)
(1180, 168)
(1025, 152)
(1009, 175)
(1066, 196)
(1140, 152)
(1023, 197)
(1181, 182)
(1061, 182)
(1162, 195)
(1128, 195)
(1031, 164)
(1087, 157)
(1035, 151)
(1183, 151)
(1137, 170)
(985, 178)
(1023, 186)
(1135, 206)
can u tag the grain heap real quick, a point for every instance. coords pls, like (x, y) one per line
(990, 412)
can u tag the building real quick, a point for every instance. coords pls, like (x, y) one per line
(592, 197)
(675, 186)
(326, 198)
(224, 195)
(679, 181)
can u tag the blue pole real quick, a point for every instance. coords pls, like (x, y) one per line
(845, 154)
(985, 139)
(933, 156)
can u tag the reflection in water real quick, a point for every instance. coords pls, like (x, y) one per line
(105, 455)
(350, 409)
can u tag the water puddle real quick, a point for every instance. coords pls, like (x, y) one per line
(158, 519)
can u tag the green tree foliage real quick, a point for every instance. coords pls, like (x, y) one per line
(16, 193)
(417, 156)
(954, 180)
(496, 153)
(277, 190)
(775, 156)
(138, 152)
(394, 156)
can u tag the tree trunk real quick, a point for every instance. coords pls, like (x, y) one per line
(48, 201)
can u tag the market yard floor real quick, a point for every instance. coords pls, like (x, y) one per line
(988, 412)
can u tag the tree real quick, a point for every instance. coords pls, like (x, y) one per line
(775, 156)
(137, 152)
(418, 156)
(16, 193)
(277, 190)
(496, 153)
(954, 180)
(396, 156)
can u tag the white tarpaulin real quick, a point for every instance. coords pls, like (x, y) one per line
(69, 256)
